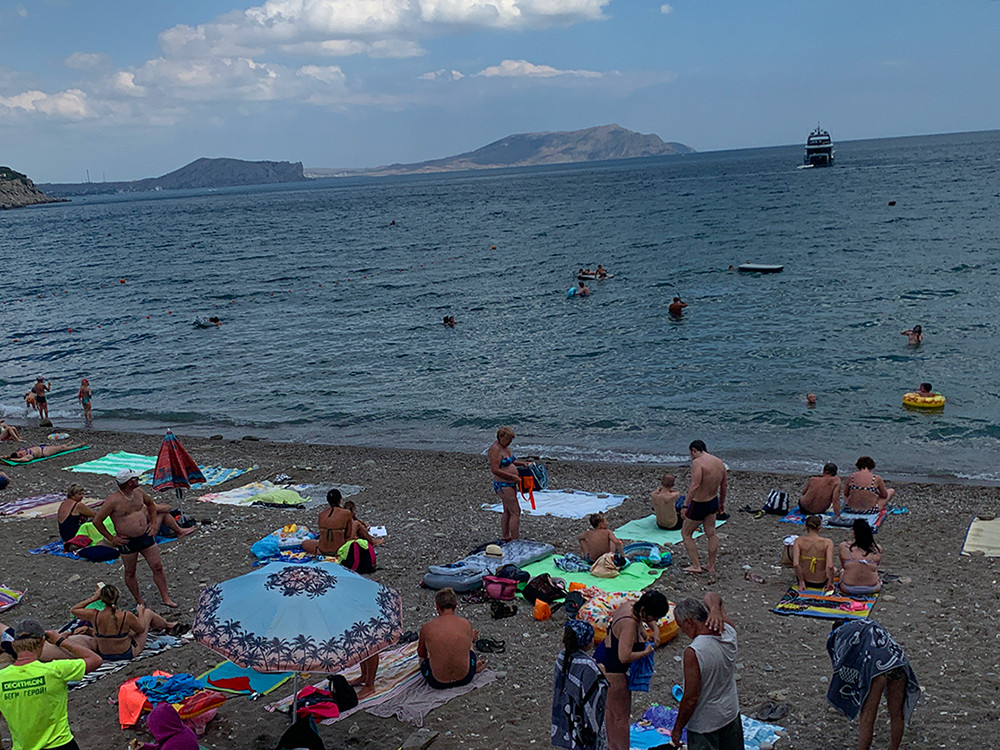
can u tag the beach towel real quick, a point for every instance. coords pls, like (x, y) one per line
(875, 520)
(860, 652)
(214, 475)
(983, 536)
(279, 498)
(114, 462)
(44, 458)
(396, 667)
(230, 678)
(653, 729)
(9, 597)
(414, 699)
(814, 603)
(153, 648)
(29, 507)
(566, 503)
(56, 548)
(633, 577)
(646, 530)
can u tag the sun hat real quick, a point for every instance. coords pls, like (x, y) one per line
(125, 475)
(493, 550)
(29, 627)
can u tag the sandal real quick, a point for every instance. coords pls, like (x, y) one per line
(490, 646)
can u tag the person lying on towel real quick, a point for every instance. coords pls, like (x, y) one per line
(24, 455)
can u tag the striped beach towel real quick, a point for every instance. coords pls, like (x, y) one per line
(164, 643)
(114, 462)
(9, 597)
(815, 603)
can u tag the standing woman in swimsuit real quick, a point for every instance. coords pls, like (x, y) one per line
(333, 526)
(83, 396)
(812, 556)
(624, 644)
(864, 492)
(119, 635)
(72, 512)
(504, 465)
(859, 561)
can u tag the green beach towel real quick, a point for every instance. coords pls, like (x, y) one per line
(287, 498)
(43, 458)
(646, 530)
(112, 463)
(635, 577)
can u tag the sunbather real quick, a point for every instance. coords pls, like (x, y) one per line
(599, 540)
(118, 635)
(73, 512)
(859, 561)
(9, 432)
(812, 556)
(667, 503)
(333, 525)
(864, 491)
(24, 455)
(358, 529)
(445, 646)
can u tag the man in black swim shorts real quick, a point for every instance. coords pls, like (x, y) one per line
(706, 497)
(136, 544)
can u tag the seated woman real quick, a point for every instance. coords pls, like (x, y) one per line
(859, 561)
(118, 635)
(864, 492)
(333, 525)
(9, 432)
(24, 455)
(812, 556)
(73, 512)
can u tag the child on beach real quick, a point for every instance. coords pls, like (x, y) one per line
(84, 397)
(599, 540)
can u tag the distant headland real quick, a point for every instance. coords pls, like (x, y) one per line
(601, 143)
(201, 173)
(17, 191)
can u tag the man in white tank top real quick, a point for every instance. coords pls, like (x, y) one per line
(710, 708)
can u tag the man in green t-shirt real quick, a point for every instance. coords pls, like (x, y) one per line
(33, 696)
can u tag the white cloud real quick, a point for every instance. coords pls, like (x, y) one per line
(22, 11)
(87, 61)
(435, 75)
(666, 9)
(326, 74)
(525, 69)
(70, 104)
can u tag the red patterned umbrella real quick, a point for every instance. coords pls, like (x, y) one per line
(175, 469)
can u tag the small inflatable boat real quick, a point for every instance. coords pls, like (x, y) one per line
(759, 268)
(593, 277)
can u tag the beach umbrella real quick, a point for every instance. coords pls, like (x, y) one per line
(175, 469)
(293, 617)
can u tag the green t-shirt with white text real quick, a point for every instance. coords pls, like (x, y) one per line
(33, 700)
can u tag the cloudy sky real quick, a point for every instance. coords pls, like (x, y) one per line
(131, 89)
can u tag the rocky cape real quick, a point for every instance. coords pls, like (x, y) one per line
(601, 143)
(202, 173)
(17, 191)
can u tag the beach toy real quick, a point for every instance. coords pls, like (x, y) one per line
(916, 401)
(576, 586)
(542, 610)
(57, 436)
(678, 692)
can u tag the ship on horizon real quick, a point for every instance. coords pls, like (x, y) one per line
(819, 149)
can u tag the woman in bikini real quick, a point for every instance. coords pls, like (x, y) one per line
(8, 432)
(859, 561)
(333, 523)
(864, 492)
(626, 642)
(119, 635)
(83, 396)
(25, 455)
(72, 512)
(812, 556)
(503, 464)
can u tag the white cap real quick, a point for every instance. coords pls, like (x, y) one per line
(126, 474)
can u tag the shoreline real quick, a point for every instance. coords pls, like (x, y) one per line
(430, 503)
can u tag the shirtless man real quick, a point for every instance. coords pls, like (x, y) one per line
(445, 646)
(821, 493)
(599, 540)
(667, 501)
(677, 307)
(583, 291)
(136, 519)
(706, 497)
(41, 403)
(334, 523)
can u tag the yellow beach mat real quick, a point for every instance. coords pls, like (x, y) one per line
(984, 537)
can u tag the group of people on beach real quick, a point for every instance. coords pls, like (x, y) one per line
(37, 399)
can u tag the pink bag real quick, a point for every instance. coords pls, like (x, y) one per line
(499, 588)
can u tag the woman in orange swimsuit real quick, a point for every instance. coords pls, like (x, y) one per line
(812, 556)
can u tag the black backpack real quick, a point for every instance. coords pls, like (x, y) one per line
(512, 573)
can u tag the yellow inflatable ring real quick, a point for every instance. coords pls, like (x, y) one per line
(923, 402)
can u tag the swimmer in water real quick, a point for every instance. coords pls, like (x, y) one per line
(449, 321)
(602, 272)
(925, 389)
(677, 307)
(583, 291)
(811, 399)
(914, 336)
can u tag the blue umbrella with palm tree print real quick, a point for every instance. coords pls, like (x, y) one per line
(292, 617)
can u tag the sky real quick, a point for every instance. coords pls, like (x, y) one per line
(130, 89)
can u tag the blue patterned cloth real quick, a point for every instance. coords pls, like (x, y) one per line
(579, 692)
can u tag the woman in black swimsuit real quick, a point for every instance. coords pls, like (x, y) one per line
(73, 512)
(624, 644)
(119, 635)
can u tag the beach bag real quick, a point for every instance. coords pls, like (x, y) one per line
(301, 735)
(77, 543)
(499, 588)
(512, 572)
(527, 484)
(786, 550)
(604, 566)
(358, 555)
(777, 503)
(543, 587)
(344, 695)
(98, 553)
(541, 475)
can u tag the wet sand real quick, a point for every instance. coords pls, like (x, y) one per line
(943, 608)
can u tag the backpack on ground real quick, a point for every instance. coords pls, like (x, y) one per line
(777, 503)
(544, 587)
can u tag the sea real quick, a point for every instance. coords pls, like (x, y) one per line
(332, 293)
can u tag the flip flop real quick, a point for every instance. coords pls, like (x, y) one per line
(780, 711)
(764, 710)
(490, 646)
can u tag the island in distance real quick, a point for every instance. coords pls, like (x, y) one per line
(601, 143)
(17, 191)
(201, 173)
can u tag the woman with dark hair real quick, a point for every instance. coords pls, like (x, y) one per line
(812, 556)
(864, 492)
(859, 561)
(579, 692)
(73, 512)
(26, 455)
(333, 524)
(119, 635)
(913, 335)
(628, 632)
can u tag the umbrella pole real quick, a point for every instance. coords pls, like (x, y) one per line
(295, 696)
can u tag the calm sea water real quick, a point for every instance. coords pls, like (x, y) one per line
(332, 315)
